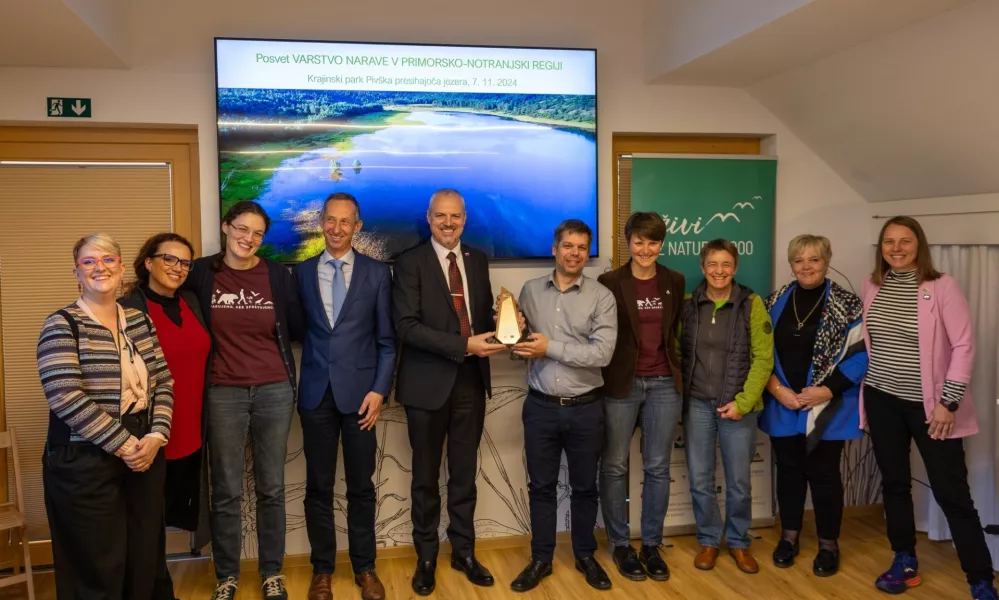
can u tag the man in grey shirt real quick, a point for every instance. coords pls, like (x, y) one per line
(573, 320)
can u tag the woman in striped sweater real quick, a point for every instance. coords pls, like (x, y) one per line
(110, 397)
(922, 350)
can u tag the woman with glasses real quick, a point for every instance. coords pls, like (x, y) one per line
(161, 267)
(253, 313)
(110, 397)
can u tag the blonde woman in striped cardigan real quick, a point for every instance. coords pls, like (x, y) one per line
(110, 397)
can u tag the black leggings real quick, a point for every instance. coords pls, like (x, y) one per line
(798, 470)
(894, 423)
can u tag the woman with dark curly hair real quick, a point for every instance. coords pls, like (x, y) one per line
(161, 267)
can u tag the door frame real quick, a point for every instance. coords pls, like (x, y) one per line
(176, 145)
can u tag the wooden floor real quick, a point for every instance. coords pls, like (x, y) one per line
(864, 550)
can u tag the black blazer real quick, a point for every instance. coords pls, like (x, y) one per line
(620, 373)
(289, 314)
(427, 326)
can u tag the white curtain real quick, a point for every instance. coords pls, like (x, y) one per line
(976, 268)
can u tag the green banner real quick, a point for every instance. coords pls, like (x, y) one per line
(703, 198)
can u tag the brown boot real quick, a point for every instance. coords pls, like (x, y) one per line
(744, 560)
(371, 588)
(320, 588)
(706, 557)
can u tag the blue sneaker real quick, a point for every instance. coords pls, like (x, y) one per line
(901, 576)
(984, 590)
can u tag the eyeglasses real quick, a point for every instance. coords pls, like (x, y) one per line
(244, 232)
(90, 263)
(172, 261)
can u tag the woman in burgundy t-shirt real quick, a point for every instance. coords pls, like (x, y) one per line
(641, 387)
(161, 267)
(253, 313)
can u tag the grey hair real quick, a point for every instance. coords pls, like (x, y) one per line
(444, 193)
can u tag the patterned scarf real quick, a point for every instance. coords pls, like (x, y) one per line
(835, 336)
(839, 337)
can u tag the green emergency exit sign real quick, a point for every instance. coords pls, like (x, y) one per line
(75, 108)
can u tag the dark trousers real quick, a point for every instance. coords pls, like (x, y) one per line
(798, 470)
(181, 494)
(106, 523)
(460, 420)
(893, 424)
(322, 428)
(550, 429)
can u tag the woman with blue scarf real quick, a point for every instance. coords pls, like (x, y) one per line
(810, 405)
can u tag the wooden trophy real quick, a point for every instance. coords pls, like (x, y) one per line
(507, 321)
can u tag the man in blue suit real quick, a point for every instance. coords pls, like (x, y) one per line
(347, 366)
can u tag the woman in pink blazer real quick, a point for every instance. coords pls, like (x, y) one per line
(918, 330)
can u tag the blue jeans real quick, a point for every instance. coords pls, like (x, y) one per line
(265, 412)
(703, 428)
(654, 404)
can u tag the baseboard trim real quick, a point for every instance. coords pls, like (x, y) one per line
(41, 550)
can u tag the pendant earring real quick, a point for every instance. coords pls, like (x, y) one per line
(79, 288)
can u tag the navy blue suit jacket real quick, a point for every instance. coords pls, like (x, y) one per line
(357, 355)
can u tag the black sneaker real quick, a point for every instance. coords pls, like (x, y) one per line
(654, 563)
(628, 564)
(273, 587)
(226, 589)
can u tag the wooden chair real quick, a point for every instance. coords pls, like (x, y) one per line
(12, 520)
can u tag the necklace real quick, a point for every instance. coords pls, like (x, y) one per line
(794, 303)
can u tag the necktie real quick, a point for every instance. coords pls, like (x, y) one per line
(458, 295)
(339, 288)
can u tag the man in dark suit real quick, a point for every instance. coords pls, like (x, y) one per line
(443, 381)
(347, 365)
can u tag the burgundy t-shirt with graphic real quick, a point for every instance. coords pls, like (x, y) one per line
(652, 353)
(243, 326)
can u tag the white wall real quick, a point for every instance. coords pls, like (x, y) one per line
(948, 220)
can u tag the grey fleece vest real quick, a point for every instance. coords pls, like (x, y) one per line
(715, 357)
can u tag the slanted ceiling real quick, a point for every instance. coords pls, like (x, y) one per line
(57, 33)
(911, 114)
(897, 96)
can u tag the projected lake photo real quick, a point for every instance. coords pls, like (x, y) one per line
(523, 162)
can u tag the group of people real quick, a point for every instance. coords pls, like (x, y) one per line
(154, 392)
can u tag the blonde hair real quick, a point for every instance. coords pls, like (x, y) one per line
(805, 240)
(101, 241)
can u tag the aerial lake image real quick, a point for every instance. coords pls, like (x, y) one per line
(523, 163)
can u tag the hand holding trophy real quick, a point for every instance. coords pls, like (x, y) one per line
(509, 326)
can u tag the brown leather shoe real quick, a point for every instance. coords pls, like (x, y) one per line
(705, 559)
(320, 588)
(744, 560)
(371, 588)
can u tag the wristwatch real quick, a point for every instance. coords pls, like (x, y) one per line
(951, 405)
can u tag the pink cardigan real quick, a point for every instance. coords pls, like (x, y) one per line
(946, 346)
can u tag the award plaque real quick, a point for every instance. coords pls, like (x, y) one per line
(507, 322)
